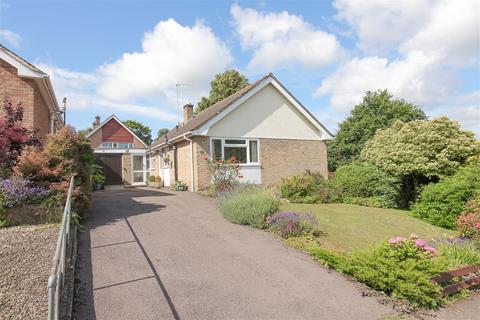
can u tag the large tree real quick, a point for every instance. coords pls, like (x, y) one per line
(142, 131)
(222, 85)
(377, 110)
(420, 151)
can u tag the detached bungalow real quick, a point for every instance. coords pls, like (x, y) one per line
(263, 125)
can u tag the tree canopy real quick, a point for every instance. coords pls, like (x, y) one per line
(222, 85)
(161, 132)
(142, 131)
(377, 110)
(433, 148)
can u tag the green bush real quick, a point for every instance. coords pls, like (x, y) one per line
(250, 205)
(375, 202)
(441, 203)
(459, 254)
(364, 184)
(402, 270)
(308, 187)
(180, 186)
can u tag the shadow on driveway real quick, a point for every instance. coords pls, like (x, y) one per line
(109, 208)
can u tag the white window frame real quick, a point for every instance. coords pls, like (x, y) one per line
(246, 144)
(114, 145)
(144, 169)
(153, 160)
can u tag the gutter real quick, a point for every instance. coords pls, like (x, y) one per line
(191, 161)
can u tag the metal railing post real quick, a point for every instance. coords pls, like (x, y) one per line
(56, 281)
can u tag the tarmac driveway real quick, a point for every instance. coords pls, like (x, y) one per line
(147, 254)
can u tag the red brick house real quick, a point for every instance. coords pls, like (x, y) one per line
(120, 152)
(263, 125)
(24, 83)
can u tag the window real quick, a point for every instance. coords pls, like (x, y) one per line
(117, 145)
(165, 159)
(253, 150)
(244, 150)
(152, 162)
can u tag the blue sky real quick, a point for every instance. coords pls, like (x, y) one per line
(124, 57)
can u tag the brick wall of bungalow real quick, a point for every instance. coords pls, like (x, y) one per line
(281, 158)
(278, 157)
(25, 91)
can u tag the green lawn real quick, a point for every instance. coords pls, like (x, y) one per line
(346, 226)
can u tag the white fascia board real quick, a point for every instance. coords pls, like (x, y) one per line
(203, 130)
(126, 151)
(23, 70)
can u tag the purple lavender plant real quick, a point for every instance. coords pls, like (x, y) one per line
(17, 192)
(293, 224)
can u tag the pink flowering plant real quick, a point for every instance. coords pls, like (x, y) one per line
(401, 248)
(225, 174)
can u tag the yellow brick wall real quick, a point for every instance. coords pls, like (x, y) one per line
(283, 157)
(201, 149)
(127, 168)
(183, 163)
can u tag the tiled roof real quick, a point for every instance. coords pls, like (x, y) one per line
(20, 59)
(207, 114)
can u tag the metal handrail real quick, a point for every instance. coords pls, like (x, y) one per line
(56, 280)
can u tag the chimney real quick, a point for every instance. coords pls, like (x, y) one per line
(96, 123)
(187, 112)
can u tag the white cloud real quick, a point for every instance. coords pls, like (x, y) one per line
(453, 31)
(283, 38)
(143, 83)
(80, 89)
(416, 78)
(11, 37)
(171, 54)
(433, 41)
(382, 25)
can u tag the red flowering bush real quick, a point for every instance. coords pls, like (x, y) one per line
(225, 174)
(468, 222)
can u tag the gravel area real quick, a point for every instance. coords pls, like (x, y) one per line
(26, 254)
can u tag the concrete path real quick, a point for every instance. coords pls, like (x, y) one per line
(165, 255)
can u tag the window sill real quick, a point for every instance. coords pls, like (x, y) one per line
(254, 165)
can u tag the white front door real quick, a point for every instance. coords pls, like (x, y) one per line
(165, 167)
(139, 174)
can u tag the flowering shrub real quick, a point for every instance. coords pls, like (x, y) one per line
(468, 222)
(293, 224)
(410, 248)
(224, 174)
(17, 192)
(308, 187)
(401, 267)
(65, 154)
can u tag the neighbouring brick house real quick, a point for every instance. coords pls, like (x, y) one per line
(263, 125)
(120, 152)
(24, 83)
